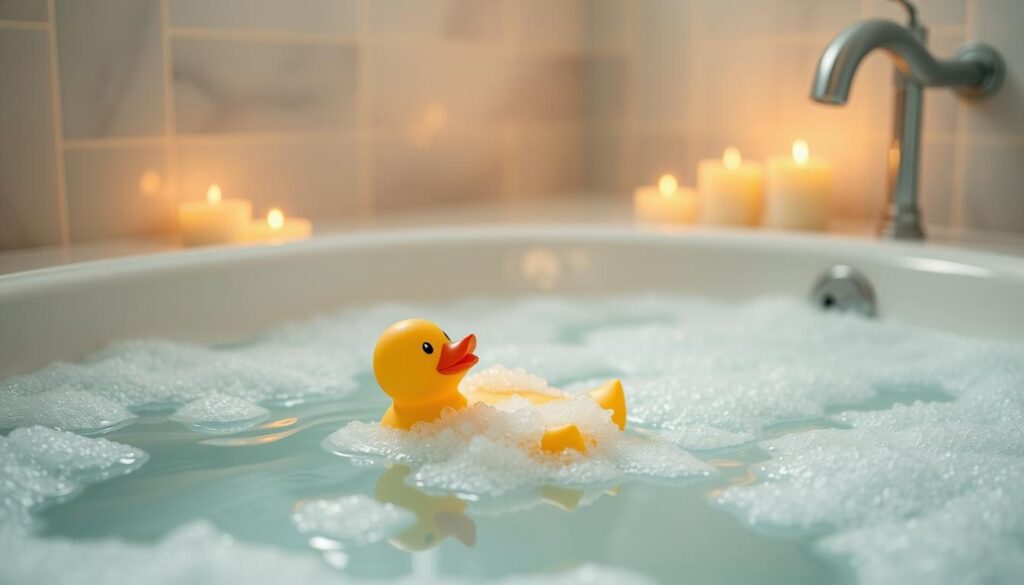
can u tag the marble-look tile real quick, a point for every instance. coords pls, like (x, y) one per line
(315, 179)
(993, 197)
(336, 17)
(933, 13)
(937, 186)
(655, 154)
(456, 20)
(118, 192)
(550, 162)
(31, 10)
(475, 87)
(243, 86)
(661, 90)
(29, 204)
(998, 22)
(111, 78)
(557, 24)
(606, 160)
(737, 19)
(450, 168)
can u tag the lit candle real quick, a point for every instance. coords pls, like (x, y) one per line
(730, 190)
(797, 191)
(278, 228)
(666, 203)
(214, 221)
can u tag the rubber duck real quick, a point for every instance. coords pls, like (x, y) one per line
(419, 366)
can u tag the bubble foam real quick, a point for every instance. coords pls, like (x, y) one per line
(40, 465)
(925, 492)
(219, 413)
(355, 519)
(493, 450)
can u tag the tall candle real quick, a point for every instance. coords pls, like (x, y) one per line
(278, 228)
(797, 190)
(214, 221)
(665, 203)
(729, 189)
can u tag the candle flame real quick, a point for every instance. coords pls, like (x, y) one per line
(275, 219)
(667, 184)
(731, 158)
(801, 152)
(213, 194)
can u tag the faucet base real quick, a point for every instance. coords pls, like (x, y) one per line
(903, 225)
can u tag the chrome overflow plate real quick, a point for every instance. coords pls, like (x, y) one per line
(844, 289)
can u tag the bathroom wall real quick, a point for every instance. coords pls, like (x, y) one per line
(111, 111)
(706, 74)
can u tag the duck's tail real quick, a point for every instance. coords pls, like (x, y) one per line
(610, 396)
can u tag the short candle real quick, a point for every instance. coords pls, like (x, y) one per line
(730, 190)
(797, 190)
(214, 221)
(666, 203)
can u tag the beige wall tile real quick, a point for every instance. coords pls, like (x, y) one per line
(29, 202)
(111, 71)
(336, 17)
(31, 10)
(226, 86)
(311, 179)
(993, 197)
(453, 20)
(119, 192)
(999, 22)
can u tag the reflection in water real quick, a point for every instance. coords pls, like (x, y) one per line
(437, 517)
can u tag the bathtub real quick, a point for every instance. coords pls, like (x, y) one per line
(221, 294)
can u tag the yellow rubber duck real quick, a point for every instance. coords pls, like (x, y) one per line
(420, 368)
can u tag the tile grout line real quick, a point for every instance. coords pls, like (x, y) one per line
(58, 130)
(25, 25)
(170, 123)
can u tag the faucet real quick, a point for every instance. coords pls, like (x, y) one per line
(976, 71)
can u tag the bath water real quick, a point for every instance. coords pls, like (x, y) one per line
(772, 444)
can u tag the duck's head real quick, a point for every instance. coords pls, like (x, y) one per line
(416, 361)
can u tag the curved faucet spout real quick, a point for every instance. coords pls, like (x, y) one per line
(834, 75)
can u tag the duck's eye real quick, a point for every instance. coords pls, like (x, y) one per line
(427, 348)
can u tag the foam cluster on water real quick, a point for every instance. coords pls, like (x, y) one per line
(493, 450)
(354, 519)
(40, 465)
(198, 553)
(104, 390)
(220, 413)
(927, 492)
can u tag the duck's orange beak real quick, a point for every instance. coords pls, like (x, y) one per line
(458, 357)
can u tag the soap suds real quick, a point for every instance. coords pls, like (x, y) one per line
(493, 450)
(219, 413)
(355, 519)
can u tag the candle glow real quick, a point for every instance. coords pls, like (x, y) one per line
(213, 194)
(275, 219)
(801, 152)
(732, 158)
(798, 190)
(667, 184)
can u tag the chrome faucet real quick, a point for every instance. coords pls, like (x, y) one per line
(976, 71)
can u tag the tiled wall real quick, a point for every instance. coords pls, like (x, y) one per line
(706, 74)
(111, 111)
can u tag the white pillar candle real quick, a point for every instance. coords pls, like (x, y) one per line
(797, 191)
(666, 203)
(214, 221)
(278, 228)
(729, 190)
